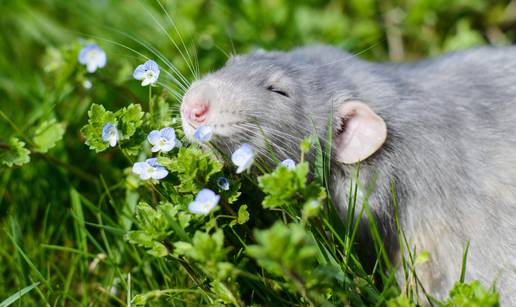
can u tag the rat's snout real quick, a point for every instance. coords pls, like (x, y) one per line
(197, 103)
(195, 111)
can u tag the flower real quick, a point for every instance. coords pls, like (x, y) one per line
(148, 72)
(150, 168)
(93, 57)
(223, 183)
(203, 133)
(110, 134)
(243, 157)
(204, 202)
(163, 140)
(288, 163)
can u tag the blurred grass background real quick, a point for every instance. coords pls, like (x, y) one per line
(44, 233)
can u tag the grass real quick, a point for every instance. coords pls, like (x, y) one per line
(64, 215)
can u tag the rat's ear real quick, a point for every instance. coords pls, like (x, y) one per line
(359, 132)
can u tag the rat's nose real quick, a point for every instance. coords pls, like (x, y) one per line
(196, 111)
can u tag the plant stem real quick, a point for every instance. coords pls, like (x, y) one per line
(151, 103)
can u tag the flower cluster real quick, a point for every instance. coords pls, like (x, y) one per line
(165, 140)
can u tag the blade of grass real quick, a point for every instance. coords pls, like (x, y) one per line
(16, 296)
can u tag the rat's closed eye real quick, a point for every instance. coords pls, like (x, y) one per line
(277, 90)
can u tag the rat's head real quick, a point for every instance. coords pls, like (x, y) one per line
(272, 100)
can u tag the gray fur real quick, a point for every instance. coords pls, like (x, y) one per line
(450, 149)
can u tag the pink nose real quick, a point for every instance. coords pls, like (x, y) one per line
(196, 111)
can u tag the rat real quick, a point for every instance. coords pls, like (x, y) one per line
(440, 132)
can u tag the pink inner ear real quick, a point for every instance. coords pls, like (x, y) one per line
(360, 134)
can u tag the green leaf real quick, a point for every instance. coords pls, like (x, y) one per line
(47, 134)
(193, 167)
(284, 186)
(243, 215)
(98, 117)
(472, 295)
(204, 247)
(142, 238)
(129, 119)
(15, 153)
(284, 249)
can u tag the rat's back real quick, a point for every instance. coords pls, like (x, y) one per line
(451, 149)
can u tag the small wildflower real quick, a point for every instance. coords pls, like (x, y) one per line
(110, 134)
(163, 140)
(223, 183)
(204, 202)
(243, 157)
(203, 133)
(93, 57)
(87, 84)
(288, 163)
(148, 72)
(150, 169)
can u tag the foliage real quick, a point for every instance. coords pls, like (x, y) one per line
(79, 228)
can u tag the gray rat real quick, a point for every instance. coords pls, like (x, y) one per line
(443, 131)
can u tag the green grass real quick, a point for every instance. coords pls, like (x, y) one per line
(64, 216)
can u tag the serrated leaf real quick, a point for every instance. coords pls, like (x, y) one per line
(285, 186)
(193, 167)
(284, 248)
(204, 247)
(97, 118)
(472, 295)
(15, 153)
(47, 134)
(129, 119)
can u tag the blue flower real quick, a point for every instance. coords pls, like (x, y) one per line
(110, 134)
(288, 163)
(150, 169)
(93, 57)
(223, 183)
(204, 202)
(203, 133)
(148, 72)
(163, 140)
(243, 157)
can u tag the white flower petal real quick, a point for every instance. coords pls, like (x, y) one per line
(243, 157)
(113, 140)
(244, 166)
(159, 173)
(154, 137)
(145, 82)
(91, 66)
(168, 146)
(139, 167)
(203, 133)
(288, 163)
